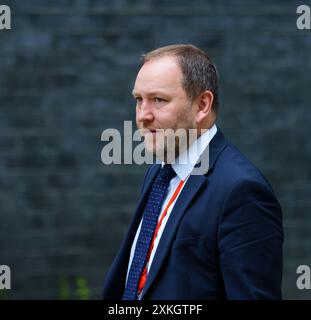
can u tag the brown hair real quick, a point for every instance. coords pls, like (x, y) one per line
(199, 72)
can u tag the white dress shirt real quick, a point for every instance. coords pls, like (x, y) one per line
(183, 168)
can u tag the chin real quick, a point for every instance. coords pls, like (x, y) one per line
(158, 153)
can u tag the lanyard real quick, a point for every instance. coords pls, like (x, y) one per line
(143, 277)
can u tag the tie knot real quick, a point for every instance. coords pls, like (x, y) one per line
(167, 172)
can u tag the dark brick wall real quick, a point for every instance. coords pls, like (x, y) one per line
(66, 72)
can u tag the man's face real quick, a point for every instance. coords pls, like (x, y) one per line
(162, 103)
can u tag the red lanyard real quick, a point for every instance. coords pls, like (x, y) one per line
(143, 277)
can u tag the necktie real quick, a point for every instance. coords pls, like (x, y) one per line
(149, 223)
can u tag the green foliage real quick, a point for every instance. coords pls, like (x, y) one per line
(64, 288)
(80, 288)
(4, 294)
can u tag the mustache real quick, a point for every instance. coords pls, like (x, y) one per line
(150, 130)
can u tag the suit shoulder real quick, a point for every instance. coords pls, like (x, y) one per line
(238, 182)
(234, 168)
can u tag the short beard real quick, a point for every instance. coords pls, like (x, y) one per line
(173, 144)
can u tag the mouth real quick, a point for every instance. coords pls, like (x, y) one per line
(152, 131)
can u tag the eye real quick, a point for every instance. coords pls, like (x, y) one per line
(138, 100)
(158, 100)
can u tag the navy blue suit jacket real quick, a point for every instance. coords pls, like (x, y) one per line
(223, 239)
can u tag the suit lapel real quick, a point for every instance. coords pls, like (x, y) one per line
(191, 188)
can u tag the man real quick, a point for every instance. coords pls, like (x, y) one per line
(217, 235)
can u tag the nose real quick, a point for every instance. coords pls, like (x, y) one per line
(144, 113)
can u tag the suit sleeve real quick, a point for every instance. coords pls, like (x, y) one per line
(250, 239)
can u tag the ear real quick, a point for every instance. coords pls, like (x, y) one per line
(204, 106)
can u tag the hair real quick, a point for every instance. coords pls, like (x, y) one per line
(198, 70)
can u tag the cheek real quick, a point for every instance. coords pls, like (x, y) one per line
(137, 120)
(166, 118)
(182, 119)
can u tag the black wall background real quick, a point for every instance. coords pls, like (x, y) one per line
(66, 73)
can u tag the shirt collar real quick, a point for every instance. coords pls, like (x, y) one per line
(186, 161)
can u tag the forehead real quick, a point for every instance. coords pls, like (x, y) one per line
(161, 73)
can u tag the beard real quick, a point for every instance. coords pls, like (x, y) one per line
(167, 144)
